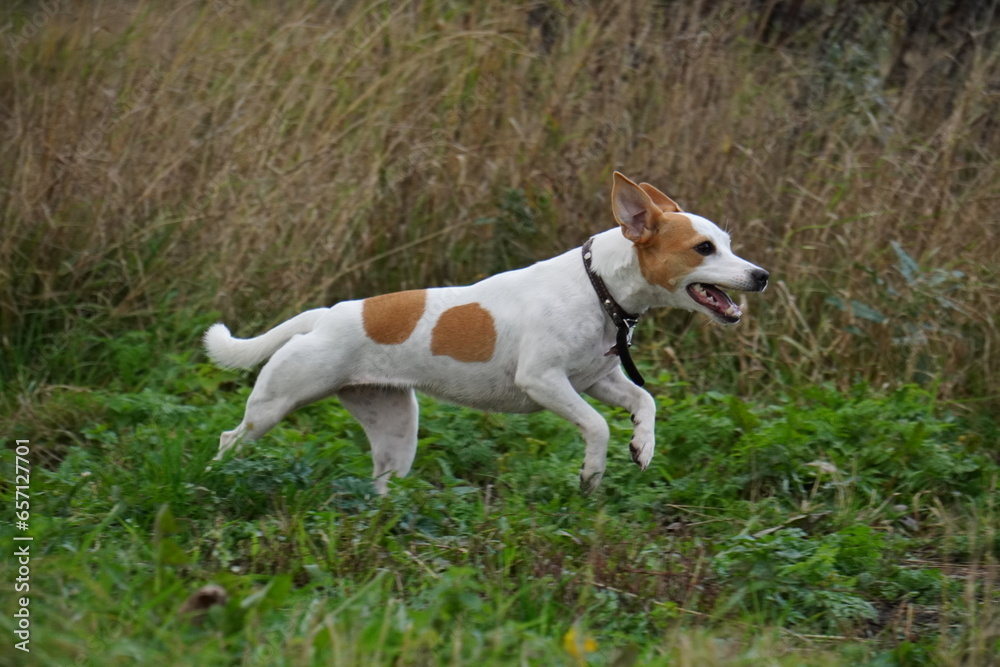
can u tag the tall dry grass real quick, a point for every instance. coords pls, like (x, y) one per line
(259, 158)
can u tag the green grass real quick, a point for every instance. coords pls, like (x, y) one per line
(818, 528)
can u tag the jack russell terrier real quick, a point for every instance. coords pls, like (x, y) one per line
(521, 341)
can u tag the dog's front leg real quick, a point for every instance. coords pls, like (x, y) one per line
(551, 389)
(616, 389)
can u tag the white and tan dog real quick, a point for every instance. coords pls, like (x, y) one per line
(521, 341)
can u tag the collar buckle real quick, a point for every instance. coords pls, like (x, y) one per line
(630, 322)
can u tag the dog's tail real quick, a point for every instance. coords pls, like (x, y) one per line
(230, 352)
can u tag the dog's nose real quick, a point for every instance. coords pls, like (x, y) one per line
(760, 277)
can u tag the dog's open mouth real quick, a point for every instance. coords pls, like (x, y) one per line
(716, 301)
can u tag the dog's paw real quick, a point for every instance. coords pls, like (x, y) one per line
(641, 454)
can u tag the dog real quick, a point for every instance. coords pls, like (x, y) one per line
(521, 341)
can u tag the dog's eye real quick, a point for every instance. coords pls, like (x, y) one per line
(706, 248)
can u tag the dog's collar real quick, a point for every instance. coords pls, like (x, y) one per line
(623, 320)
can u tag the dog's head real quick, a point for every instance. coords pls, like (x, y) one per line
(684, 255)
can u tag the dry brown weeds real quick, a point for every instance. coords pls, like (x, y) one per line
(260, 158)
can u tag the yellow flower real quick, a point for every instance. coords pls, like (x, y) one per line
(578, 647)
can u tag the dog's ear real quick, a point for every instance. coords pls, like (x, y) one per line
(666, 204)
(634, 210)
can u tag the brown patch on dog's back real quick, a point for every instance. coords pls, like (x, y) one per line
(669, 255)
(391, 318)
(465, 333)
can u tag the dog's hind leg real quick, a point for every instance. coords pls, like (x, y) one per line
(306, 369)
(230, 439)
(389, 416)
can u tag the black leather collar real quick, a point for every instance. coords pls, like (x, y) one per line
(623, 320)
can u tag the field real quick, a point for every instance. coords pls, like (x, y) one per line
(825, 485)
